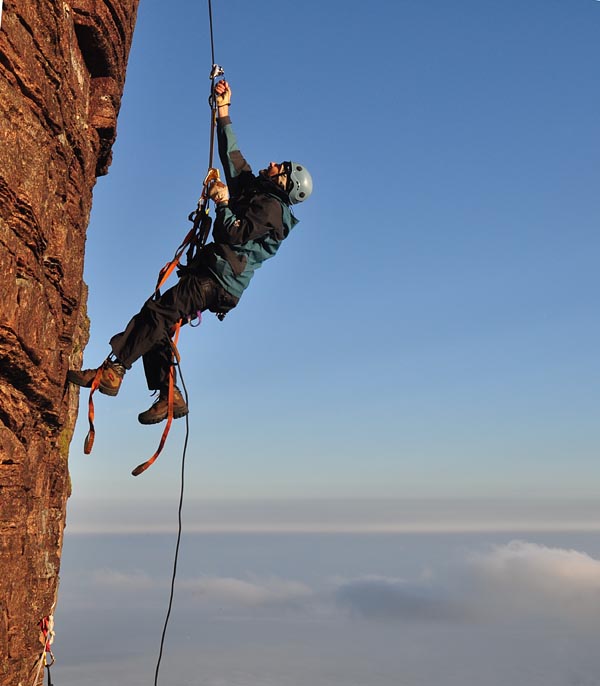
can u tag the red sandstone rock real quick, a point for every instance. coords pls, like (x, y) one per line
(62, 71)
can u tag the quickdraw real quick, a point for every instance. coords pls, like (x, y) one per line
(193, 242)
(196, 237)
(47, 658)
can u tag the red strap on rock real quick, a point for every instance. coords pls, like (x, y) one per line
(47, 637)
(88, 444)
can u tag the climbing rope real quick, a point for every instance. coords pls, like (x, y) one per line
(212, 102)
(193, 242)
(179, 532)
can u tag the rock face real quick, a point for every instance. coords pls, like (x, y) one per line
(62, 71)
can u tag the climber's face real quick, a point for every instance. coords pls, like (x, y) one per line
(274, 169)
(277, 173)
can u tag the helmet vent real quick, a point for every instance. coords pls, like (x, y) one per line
(300, 183)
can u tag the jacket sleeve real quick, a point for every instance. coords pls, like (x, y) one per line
(234, 164)
(264, 215)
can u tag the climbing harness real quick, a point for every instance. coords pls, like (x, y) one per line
(46, 658)
(193, 242)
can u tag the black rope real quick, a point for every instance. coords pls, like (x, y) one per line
(216, 70)
(212, 41)
(187, 424)
(179, 530)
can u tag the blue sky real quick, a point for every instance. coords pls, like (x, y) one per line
(392, 469)
(430, 328)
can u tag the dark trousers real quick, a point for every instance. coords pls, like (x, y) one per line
(148, 334)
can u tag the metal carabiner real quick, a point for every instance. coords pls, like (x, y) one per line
(211, 176)
(217, 70)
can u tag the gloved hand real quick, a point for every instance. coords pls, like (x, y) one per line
(223, 94)
(218, 192)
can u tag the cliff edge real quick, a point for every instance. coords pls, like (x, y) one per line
(62, 72)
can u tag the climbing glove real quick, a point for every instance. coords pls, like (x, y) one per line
(223, 98)
(218, 192)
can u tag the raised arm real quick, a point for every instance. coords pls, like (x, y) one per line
(223, 95)
(232, 160)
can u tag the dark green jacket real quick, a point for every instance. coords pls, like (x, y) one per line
(250, 229)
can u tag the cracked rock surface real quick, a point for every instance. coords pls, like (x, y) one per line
(62, 72)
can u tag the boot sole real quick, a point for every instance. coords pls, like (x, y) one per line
(108, 391)
(158, 420)
(78, 382)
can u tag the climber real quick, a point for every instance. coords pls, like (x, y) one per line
(253, 217)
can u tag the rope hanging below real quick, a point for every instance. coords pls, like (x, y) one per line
(172, 375)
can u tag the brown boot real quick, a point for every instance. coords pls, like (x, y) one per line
(110, 381)
(160, 409)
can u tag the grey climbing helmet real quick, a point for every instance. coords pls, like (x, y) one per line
(300, 182)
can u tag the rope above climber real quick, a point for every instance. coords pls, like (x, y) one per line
(253, 217)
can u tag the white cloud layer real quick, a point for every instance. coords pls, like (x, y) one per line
(526, 577)
(115, 580)
(537, 567)
(230, 592)
(519, 578)
(248, 593)
(516, 579)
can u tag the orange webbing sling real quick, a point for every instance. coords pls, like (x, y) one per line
(163, 439)
(193, 238)
(88, 444)
(196, 237)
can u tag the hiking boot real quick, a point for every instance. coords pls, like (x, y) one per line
(160, 409)
(110, 381)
